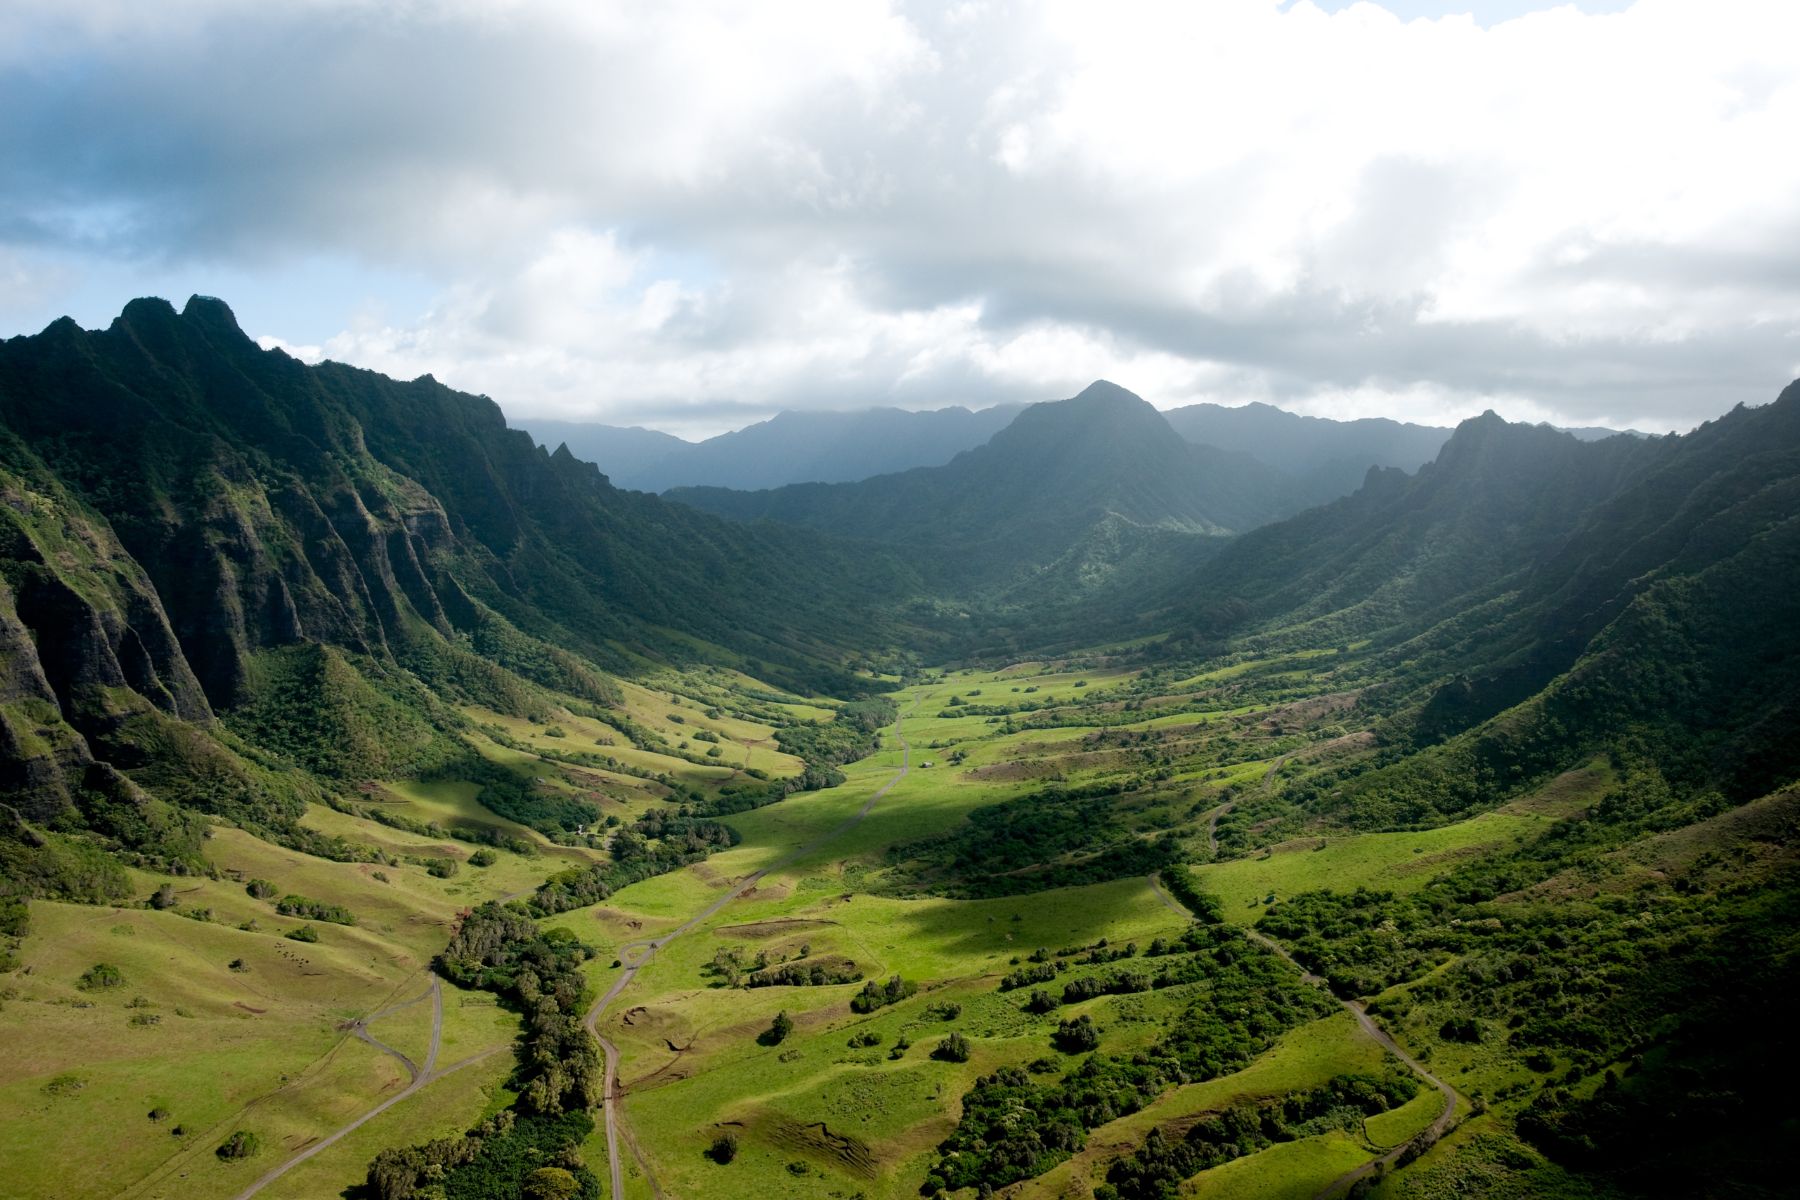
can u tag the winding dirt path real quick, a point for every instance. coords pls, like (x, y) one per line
(633, 956)
(420, 1077)
(1426, 1137)
(1430, 1134)
(360, 1027)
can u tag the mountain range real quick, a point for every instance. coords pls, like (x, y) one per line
(845, 447)
(1500, 744)
(790, 447)
(1035, 489)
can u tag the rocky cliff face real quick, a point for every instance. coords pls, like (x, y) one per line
(181, 510)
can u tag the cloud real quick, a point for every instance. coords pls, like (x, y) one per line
(680, 213)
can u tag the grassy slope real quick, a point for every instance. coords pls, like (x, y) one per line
(267, 1049)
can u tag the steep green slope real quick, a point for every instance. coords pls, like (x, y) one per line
(193, 528)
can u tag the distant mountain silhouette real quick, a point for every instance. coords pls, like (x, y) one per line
(1037, 488)
(790, 447)
(621, 452)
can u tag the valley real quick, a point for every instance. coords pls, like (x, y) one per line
(394, 809)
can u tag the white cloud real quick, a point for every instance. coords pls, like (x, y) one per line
(711, 210)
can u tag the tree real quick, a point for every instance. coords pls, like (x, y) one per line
(99, 977)
(954, 1048)
(164, 897)
(777, 1032)
(241, 1144)
(550, 1183)
(724, 1148)
(1077, 1036)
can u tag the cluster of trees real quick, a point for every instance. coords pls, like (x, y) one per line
(879, 995)
(1157, 1169)
(1013, 1128)
(508, 1154)
(680, 839)
(816, 972)
(852, 733)
(314, 910)
(559, 1076)
(1076, 831)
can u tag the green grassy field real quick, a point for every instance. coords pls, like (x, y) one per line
(816, 1115)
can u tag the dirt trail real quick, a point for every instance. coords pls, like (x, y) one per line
(1431, 1134)
(634, 955)
(421, 1077)
(360, 1027)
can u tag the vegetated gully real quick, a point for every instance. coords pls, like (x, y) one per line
(633, 956)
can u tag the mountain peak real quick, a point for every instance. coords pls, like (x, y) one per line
(211, 311)
(1104, 391)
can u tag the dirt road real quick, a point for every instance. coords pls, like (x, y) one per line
(1431, 1134)
(634, 955)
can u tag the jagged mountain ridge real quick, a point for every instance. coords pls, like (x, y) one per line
(1524, 559)
(183, 513)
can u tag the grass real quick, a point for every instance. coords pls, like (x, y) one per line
(1399, 862)
(1287, 1171)
(815, 1116)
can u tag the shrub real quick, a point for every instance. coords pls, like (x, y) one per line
(241, 1144)
(441, 868)
(314, 910)
(99, 977)
(483, 858)
(261, 889)
(879, 995)
(306, 933)
(1076, 1036)
(724, 1148)
(239, 965)
(778, 1030)
(164, 897)
(954, 1048)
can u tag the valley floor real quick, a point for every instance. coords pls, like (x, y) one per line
(222, 1024)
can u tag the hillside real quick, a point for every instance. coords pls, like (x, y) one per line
(214, 553)
(1033, 491)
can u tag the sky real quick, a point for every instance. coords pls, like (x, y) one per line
(691, 215)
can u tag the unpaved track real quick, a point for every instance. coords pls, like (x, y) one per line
(361, 1028)
(634, 955)
(1431, 1134)
(421, 1077)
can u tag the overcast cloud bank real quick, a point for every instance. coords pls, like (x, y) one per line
(690, 215)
